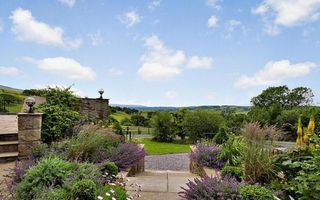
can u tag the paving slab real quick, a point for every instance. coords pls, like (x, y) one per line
(8, 124)
(159, 196)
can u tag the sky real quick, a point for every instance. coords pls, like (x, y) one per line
(161, 52)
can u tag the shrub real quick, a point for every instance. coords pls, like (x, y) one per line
(236, 172)
(231, 150)
(255, 192)
(57, 122)
(60, 113)
(109, 192)
(207, 156)
(53, 172)
(300, 172)
(125, 155)
(221, 137)
(163, 126)
(56, 194)
(198, 122)
(211, 188)
(126, 122)
(89, 145)
(49, 172)
(117, 128)
(110, 168)
(84, 190)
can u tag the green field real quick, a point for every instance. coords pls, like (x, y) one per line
(14, 107)
(119, 116)
(158, 148)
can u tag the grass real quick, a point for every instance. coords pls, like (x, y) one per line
(158, 148)
(143, 130)
(14, 107)
(119, 116)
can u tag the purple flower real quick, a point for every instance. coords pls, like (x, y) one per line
(207, 156)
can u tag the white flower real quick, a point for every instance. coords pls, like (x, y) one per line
(113, 198)
(112, 191)
(108, 194)
(112, 184)
(100, 197)
(128, 198)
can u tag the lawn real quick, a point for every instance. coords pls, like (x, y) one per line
(158, 148)
(119, 116)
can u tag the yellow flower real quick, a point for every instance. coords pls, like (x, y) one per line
(299, 133)
(311, 125)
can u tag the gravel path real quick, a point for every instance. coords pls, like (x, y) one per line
(175, 162)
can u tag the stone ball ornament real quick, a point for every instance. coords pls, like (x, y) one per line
(30, 101)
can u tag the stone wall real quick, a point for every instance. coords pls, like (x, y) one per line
(29, 132)
(94, 108)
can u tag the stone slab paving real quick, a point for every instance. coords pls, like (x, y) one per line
(175, 162)
(8, 124)
(159, 185)
(5, 169)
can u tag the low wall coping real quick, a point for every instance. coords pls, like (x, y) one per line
(30, 114)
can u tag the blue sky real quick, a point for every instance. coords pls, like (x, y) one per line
(161, 52)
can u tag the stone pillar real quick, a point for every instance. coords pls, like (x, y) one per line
(29, 132)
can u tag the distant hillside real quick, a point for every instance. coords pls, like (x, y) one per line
(10, 88)
(205, 107)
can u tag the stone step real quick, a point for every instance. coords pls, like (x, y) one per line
(8, 156)
(8, 146)
(8, 137)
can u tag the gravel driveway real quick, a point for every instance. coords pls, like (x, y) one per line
(174, 162)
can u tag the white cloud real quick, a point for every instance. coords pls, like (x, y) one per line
(115, 71)
(171, 94)
(130, 18)
(96, 38)
(275, 72)
(26, 28)
(287, 13)
(212, 22)
(65, 67)
(214, 4)
(154, 4)
(196, 62)
(160, 62)
(11, 71)
(69, 3)
(231, 26)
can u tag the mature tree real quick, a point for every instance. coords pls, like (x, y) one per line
(234, 120)
(283, 97)
(178, 118)
(138, 119)
(199, 122)
(163, 126)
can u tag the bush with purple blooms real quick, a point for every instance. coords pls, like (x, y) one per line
(207, 156)
(211, 188)
(125, 155)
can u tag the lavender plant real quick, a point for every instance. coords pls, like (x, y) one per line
(211, 188)
(207, 156)
(125, 155)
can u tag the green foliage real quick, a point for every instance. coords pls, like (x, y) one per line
(221, 137)
(178, 118)
(231, 150)
(50, 172)
(56, 194)
(234, 120)
(138, 119)
(8, 100)
(57, 122)
(53, 173)
(283, 97)
(110, 168)
(199, 122)
(255, 192)
(234, 171)
(301, 172)
(163, 126)
(84, 190)
(126, 122)
(116, 192)
(89, 144)
(117, 128)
